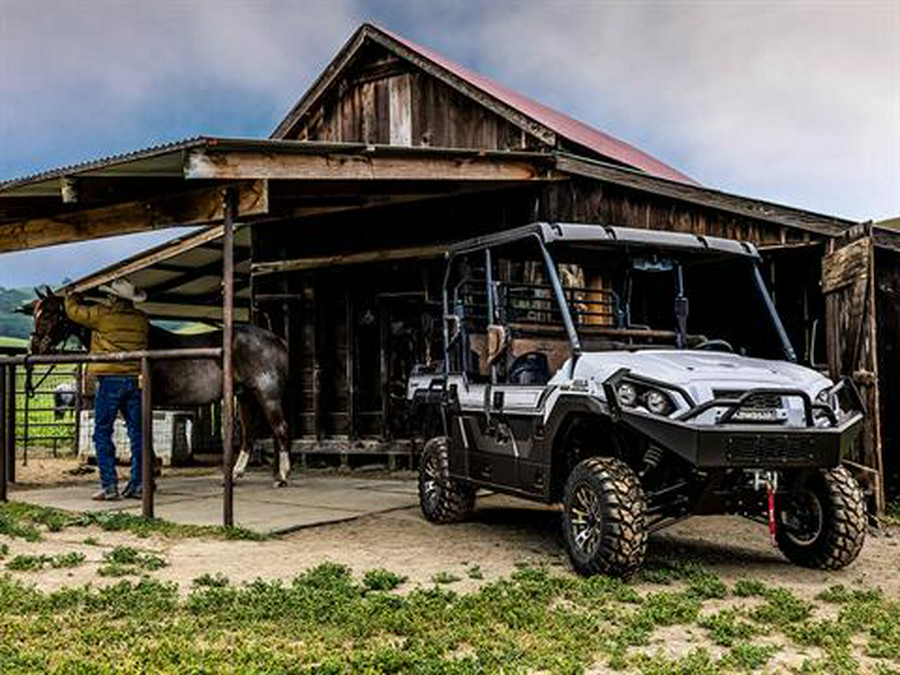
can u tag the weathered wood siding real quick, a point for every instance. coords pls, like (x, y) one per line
(383, 100)
(848, 285)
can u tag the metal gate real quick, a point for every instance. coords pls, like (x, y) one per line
(48, 401)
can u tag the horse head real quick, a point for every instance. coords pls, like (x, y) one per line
(51, 325)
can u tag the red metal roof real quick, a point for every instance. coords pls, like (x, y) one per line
(563, 125)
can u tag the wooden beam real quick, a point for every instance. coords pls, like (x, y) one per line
(204, 164)
(211, 269)
(192, 208)
(155, 258)
(297, 264)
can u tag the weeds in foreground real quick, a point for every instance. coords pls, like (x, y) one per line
(27, 521)
(35, 563)
(324, 620)
(126, 561)
(382, 580)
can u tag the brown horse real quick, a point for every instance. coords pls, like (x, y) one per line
(260, 361)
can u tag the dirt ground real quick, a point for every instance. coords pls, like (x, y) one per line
(502, 534)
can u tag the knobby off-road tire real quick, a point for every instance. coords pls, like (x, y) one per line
(441, 498)
(822, 522)
(603, 518)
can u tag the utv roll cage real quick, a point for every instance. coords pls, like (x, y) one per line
(631, 239)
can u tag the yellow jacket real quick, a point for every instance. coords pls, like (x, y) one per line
(117, 327)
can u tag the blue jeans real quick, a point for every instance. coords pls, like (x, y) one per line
(117, 393)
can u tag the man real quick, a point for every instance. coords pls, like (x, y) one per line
(115, 327)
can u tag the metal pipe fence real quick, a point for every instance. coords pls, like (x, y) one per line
(10, 364)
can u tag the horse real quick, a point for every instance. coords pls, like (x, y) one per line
(260, 366)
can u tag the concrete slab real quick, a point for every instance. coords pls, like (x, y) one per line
(197, 500)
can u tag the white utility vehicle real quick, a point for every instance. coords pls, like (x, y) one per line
(638, 377)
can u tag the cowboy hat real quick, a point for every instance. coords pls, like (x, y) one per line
(122, 288)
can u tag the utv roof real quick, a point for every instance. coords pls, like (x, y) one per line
(610, 236)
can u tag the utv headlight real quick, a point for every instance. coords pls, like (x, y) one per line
(657, 402)
(627, 394)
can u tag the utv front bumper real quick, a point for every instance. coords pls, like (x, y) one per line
(731, 444)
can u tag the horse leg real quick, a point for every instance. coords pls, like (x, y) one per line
(275, 417)
(245, 404)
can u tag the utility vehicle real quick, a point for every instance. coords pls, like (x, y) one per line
(638, 377)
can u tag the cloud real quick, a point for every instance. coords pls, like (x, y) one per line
(78, 78)
(796, 102)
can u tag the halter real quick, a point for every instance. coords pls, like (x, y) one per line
(70, 330)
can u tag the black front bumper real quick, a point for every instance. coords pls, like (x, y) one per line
(746, 445)
(730, 444)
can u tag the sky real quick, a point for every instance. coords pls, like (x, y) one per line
(788, 101)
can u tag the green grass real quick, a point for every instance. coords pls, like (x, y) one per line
(29, 521)
(326, 621)
(127, 561)
(35, 563)
(12, 341)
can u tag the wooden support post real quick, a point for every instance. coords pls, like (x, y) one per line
(11, 423)
(229, 210)
(3, 423)
(147, 454)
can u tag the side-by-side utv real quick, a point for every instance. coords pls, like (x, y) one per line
(637, 377)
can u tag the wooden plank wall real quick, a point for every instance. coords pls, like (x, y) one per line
(386, 101)
(586, 200)
(848, 286)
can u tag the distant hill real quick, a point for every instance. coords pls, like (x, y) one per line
(12, 324)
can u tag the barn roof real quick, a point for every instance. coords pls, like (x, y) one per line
(506, 102)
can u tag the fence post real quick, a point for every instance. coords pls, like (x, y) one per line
(229, 207)
(3, 432)
(147, 454)
(11, 424)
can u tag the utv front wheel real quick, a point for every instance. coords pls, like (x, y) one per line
(821, 523)
(603, 518)
(442, 499)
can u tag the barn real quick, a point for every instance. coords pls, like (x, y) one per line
(395, 151)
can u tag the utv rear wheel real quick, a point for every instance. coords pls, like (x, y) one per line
(442, 499)
(603, 518)
(821, 523)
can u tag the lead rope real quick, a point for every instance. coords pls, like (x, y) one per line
(31, 390)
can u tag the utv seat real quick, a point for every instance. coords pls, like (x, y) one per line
(530, 368)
